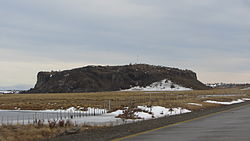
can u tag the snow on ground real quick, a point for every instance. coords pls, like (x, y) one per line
(246, 88)
(212, 85)
(101, 119)
(163, 85)
(117, 113)
(195, 104)
(79, 115)
(9, 91)
(158, 111)
(161, 92)
(225, 103)
(220, 95)
(246, 99)
(5, 92)
(143, 115)
(88, 110)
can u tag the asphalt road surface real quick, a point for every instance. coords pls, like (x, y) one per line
(233, 125)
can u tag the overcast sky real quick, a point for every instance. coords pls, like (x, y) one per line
(210, 37)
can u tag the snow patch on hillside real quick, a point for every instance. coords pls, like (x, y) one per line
(163, 85)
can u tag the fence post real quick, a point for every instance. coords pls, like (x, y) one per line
(23, 119)
(150, 97)
(109, 104)
(35, 118)
(130, 102)
(17, 120)
(60, 114)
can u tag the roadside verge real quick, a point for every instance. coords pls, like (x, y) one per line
(124, 131)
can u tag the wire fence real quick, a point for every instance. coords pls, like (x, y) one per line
(13, 117)
(9, 117)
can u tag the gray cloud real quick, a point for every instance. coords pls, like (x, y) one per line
(208, 36)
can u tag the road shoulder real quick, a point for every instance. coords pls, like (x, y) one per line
(124, 131)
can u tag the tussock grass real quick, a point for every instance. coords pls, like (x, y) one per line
(31, 132)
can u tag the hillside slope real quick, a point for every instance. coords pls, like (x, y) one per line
(112, 78)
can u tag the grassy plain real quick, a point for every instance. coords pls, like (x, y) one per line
(117, 99)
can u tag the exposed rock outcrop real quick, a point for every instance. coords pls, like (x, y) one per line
(112, 78)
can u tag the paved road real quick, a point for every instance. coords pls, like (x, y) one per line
(232, 125)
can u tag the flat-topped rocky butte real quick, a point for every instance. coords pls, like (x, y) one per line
(112, 78)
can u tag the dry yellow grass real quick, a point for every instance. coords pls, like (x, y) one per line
(117, 99)
(31, 132)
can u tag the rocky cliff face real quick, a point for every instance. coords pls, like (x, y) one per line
(112, 78)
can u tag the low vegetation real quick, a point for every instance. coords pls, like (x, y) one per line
(34, 132)
(112, 100)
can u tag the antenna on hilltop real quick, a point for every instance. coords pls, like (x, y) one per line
(137, 59)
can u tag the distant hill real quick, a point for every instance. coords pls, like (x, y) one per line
(112, 78)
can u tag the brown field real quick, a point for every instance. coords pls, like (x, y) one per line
(116, 99)
(101, 100)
